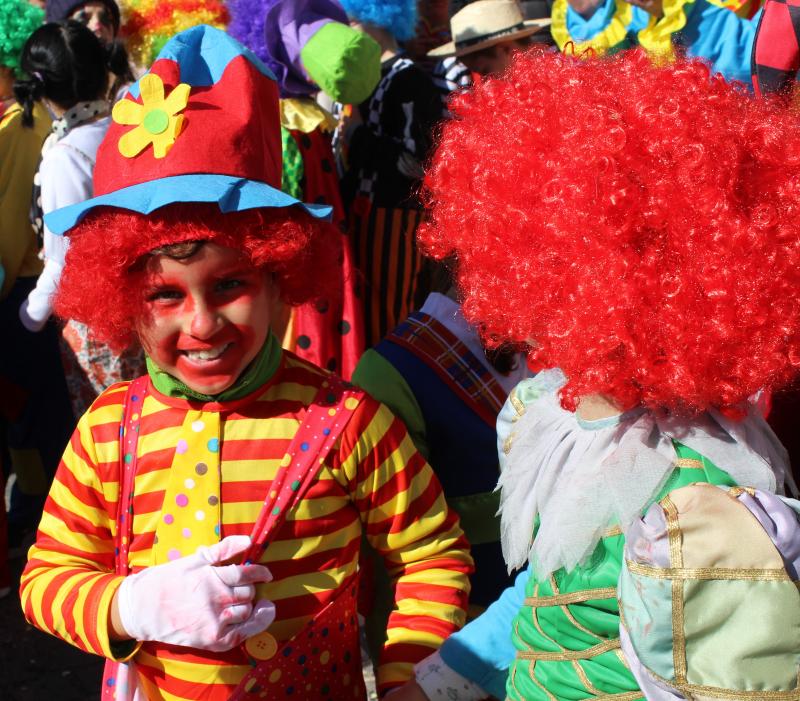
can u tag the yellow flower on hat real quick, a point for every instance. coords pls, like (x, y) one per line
(157, 120)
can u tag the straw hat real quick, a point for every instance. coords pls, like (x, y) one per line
(485, 23)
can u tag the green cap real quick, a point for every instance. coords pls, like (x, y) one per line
(343, 62)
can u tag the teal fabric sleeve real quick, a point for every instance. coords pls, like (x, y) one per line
(482, 650)
(379, 378)
(721, 38)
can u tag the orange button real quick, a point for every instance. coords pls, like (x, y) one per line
(262, 646)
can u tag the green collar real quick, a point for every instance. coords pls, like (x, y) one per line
(259, 372)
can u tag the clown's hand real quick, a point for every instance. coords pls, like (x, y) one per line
(196, 601)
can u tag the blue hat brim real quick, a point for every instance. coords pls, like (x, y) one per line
(232, 194)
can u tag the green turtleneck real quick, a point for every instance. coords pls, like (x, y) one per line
(257, 373)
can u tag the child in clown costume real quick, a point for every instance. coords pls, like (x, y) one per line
(653, 260)
(310, 47)
(717, 31)
(385, 139)
(204, 526)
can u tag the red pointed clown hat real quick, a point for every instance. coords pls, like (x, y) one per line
(203, 125)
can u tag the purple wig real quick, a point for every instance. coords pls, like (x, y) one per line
(277, 30)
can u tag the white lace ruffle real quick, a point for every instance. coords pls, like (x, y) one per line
(580, 478)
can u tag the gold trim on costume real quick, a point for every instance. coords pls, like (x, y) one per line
(532, 675)
(574, 597)
(710, 573)
(567, 655)
(612, 532)
(519, 407)
(673, 532)
(531, 665)
(579, 671)
(676, 561)
(538, 626)
(622, 659)
(716, 692)
(738, 491)
(689, 463)
(565, 610)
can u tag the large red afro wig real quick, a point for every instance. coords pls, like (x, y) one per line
(640, 223)
(101, 284)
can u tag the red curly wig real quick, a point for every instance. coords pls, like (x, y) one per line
(640, 223)
(101, 284)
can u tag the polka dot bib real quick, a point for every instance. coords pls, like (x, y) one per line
(190, 515)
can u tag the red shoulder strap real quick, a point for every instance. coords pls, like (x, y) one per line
(325, 419)
(128, 443)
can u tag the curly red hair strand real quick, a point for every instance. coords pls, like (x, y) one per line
(640, 223)
(101, 283)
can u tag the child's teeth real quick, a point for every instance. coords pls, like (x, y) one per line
(207, 354)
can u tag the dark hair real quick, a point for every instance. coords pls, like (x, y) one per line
(66, 63)
(178, 251)
(58, 10)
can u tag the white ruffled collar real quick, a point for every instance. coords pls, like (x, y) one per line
(581, 478)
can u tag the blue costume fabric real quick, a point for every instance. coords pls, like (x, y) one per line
(712, 33)
(463, 452)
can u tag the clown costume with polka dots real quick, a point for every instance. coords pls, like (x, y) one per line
(204, 526)
(310, 48)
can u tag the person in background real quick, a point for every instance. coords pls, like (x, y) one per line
(310, 47)
(385, 140)
(449, 75)
(68, 71)
(35, 416)
(102, 18)
(486, 34)
(435, 374)
(719, 33)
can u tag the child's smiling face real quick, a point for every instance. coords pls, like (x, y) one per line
(207, 316)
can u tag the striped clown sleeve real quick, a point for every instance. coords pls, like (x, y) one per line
(407, 521)
(69, 582)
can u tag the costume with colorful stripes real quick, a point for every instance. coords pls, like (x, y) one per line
(373, 481)
(720, 32)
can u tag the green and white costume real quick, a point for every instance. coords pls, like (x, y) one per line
(577, 485)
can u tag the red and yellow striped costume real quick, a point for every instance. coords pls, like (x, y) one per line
(374, 480)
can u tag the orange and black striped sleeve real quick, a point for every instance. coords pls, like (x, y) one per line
(407, 521)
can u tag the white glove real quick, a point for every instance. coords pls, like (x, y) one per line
(37, 308)
(197, 602)
(28, 321)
